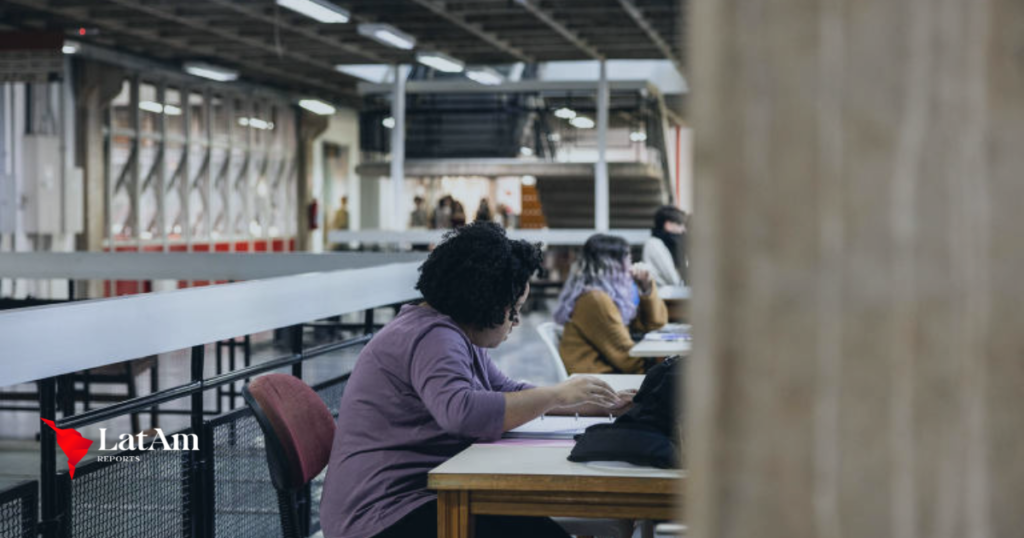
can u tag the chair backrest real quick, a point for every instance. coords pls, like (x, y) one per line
(297, 426)
(551, 333)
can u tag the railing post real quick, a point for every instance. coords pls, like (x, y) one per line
(368, 321)
(303, 512)
(198, 508)
(296, 348)
(48, 458)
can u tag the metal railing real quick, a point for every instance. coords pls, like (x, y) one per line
(182, 493)
(18, 506)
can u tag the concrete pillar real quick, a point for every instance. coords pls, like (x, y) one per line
(310, 126)
(858, 259)
(96, 85)
(601, 183)
(399, 215)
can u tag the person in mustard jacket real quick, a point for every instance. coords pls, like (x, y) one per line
(603, 298)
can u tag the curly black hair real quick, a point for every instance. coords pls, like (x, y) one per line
(476, 273)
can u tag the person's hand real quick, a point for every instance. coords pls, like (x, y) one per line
(581, 390)
(642, 276)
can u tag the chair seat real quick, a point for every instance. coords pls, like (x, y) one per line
(602, 527)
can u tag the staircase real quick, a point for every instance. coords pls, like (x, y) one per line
(568, 202)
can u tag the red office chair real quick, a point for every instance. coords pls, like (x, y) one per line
(299, 431)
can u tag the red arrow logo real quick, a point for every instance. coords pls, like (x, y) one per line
(72, 443)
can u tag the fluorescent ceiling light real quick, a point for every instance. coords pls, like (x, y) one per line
(529, 181)
(157, 108)
(256, 123)
(565, 113)
(441, 62)
(320, 10)
(150, 106)
(485, 76)
(317, 106)
(211, 72)
(389, 122)
(582, 122)
(387, 35)
(70, 47)
(638, 136)
(526, 151)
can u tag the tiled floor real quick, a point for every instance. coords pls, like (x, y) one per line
(523, 356)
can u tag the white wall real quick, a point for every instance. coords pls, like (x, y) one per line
(343, 130)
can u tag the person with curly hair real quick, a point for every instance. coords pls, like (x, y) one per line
(424, 389)
(603, 294)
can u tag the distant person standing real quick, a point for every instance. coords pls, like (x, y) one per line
(665, 251)
(443, 213)
(340, 219)
(458, 214)
(418, 217)
(483, 213)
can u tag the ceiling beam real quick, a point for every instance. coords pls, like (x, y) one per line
(478, 30)
(230, 36)
(259, 15)
(147, 37)
(570, 35)
(638, 17)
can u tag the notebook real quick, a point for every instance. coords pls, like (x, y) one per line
(555, 427)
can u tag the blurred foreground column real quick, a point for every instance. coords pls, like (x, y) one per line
(859, 249)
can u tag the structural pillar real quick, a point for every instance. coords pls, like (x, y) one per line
(858, 356)
(398, 213)
(601, 183)
(96, 85)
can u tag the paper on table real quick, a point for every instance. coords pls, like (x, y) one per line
(555, 427)
(667, 337)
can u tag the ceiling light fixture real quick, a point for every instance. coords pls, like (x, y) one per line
(70, 47)
(212, 72)
(388, 122)
(565, 113)
(525, 151)
(317, 106)
(485, 76)
(441, 62)
(582, 122)
(321, 10)
(150, 106)
(638, 136)
(387, 35)
(157, 108)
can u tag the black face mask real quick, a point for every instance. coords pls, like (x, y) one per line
(674, 242)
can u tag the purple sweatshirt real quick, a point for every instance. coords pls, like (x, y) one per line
(420, 393)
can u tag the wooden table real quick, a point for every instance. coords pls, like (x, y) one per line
(539, 481)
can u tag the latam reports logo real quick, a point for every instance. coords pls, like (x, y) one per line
(75, 447)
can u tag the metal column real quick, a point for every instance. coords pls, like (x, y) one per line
(601, 188)
(398, 151)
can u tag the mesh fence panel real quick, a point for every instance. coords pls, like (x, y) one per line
(147, 497)
(18, 511)
(244, 497)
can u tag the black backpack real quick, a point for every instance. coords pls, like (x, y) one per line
(649, 433)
